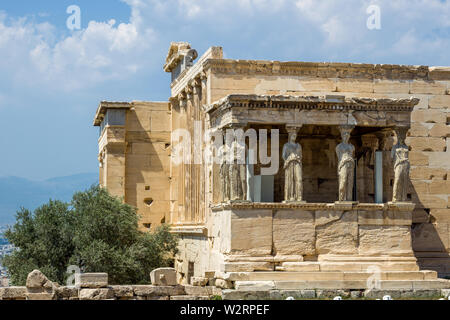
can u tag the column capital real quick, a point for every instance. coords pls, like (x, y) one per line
(400, 132)
(346, 128)
(293, 128)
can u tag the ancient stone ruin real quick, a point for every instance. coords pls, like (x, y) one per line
(325, 176)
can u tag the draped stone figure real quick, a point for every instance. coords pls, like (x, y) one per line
(400, 153)
(238, 172)
(293, 181)
(224, 172)
(346, 165)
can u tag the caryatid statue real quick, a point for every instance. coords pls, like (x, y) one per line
(400, 153)
(238, 171)
(292, 156)
(346, 165)
(224, 172)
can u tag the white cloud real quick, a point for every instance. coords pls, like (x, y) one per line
(100, 52)
(34, 54)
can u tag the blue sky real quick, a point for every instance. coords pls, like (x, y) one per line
(52, 78)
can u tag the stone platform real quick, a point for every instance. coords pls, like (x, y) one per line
(307, 285)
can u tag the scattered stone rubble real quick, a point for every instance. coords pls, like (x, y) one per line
(94, 286)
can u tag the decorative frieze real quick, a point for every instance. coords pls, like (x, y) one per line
(320, 69)
(313, 102)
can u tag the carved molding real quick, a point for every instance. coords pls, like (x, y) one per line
(320, 69)
(312, 103)
(400, 206)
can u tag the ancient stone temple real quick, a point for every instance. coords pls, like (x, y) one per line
(290, 175)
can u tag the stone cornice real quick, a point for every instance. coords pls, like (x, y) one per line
(105, 105)
(327, 69)
(197, 230)
(331, 103)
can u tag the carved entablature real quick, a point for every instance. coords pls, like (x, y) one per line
(320, 69)
(327, 110)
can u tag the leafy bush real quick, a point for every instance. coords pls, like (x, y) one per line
(96, 232)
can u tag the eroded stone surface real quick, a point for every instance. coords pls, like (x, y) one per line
(92, 280)
(164, 277)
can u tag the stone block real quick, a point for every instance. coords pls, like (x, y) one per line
(164, 277)
(245, 295)
(224, 284)
(431, 201)
(336, 232)
(428, 116)
(379, 294)
(419, 186)
(293, 232)
(385, 240)
(440, 215)
(122, 291)
(427, 173)
(13, 293)
(388, 86)
(384, 218)
(155, 298)
(353, 85)
(440, 186)
(201, 291)
(41, 296)
(300, 266)
(247, 266)
(199, 281)
(440, 130)
(329, 294)
(418, 158)
(430, 237)
(96, 294)
(254, 285)
(251, 232)
(66, 292)
(296, 294)
(192, 298)
(420, 216)
(439, 102)
(439, 73)
(427, 87)
(418, 129)
(426, 143)
(92, 280)
(160, 121)
(441, 160)
(431, 284)
(147, 290)
(318, 84)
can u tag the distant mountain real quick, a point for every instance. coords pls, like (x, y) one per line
(18, 192)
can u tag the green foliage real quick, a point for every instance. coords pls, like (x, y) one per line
(96, 232)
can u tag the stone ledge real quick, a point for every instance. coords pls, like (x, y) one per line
(189, 230)
(400, 206)
(329, 276)
(92, 280)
